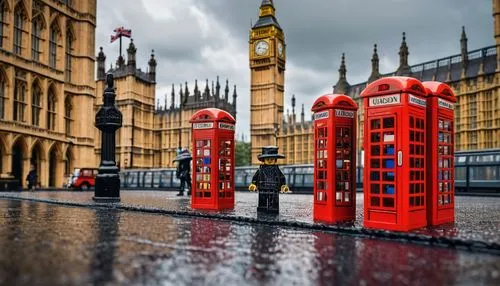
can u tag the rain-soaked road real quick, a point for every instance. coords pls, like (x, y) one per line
(47, 244)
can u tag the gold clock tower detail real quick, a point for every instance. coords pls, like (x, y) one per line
(267, 76)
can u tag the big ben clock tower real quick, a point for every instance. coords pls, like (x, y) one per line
(267, 76)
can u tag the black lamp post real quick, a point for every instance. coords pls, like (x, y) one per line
(108, 119)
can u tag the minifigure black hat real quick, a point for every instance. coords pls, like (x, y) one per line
(270, 152)
(183, 155)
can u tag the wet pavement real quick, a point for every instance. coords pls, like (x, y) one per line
(477, 222)
(50, 244)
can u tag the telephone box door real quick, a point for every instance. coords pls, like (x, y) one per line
(226, 172)
(334, 159)
(381, 145)
(202, 196)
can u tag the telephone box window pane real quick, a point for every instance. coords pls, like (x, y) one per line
(389, 136)
(338, 164)
(389, 163)
(375, 124)
(388, 176)
(375, 176)
(375, 137)
(375, 201)
(375, 163)
(375, 150)
(338, 196)
(388, 189)
(389, 149)
(412, 122)
(388, 202)
(388, 122)
(375, 188)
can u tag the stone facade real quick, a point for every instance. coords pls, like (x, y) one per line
(45, 100)
(473, 75)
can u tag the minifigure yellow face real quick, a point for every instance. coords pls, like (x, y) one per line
(270, 161)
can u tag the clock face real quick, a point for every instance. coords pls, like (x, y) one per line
(261, 48)
(280, 49)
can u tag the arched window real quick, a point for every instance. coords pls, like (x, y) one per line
(69, 49)
(37, 25)
(36, 104)
(19, 18)
(3, 81)
(3, 18)
(68, 108)
(51, 110)
(54, 32)
(19, 100)
(36, 38)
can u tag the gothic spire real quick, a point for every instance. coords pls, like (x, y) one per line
(342, 85)
(217, 89)
(181, 95)
(172, 98)
(463, 48)
(375, 66)
(404, 68)
(293, 104)
(196, 91)
(206, 93)
(101, 65)
(186, 92)
(152, 66)
(226, 92)
(234, 100)
(131, 52)
(302, 114)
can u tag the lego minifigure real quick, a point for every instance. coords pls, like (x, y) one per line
(269, 181)
(183, 171)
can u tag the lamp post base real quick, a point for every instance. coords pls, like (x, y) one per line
(107, 188)
(106, 199)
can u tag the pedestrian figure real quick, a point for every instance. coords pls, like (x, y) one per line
(183, 171)
(269, 181)
(31, 178)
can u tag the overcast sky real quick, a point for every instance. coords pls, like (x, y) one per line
(200, 39)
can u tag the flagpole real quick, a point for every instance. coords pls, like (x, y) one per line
(120, 46)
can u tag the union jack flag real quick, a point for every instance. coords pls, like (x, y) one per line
(119, 32)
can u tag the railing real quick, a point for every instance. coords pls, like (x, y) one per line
(484, 177)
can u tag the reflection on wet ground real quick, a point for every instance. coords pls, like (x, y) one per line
(477, 218)
(47, 244)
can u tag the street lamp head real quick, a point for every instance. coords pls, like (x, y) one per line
(109, 81)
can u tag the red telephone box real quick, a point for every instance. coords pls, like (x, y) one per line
(394, 144)
(334, 158)
(440, 165)
(213, 159)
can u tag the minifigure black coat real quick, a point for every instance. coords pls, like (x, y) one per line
(268, 179)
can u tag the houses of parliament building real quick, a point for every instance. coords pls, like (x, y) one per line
(50, 90)
(50, 93)
(473, 75)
